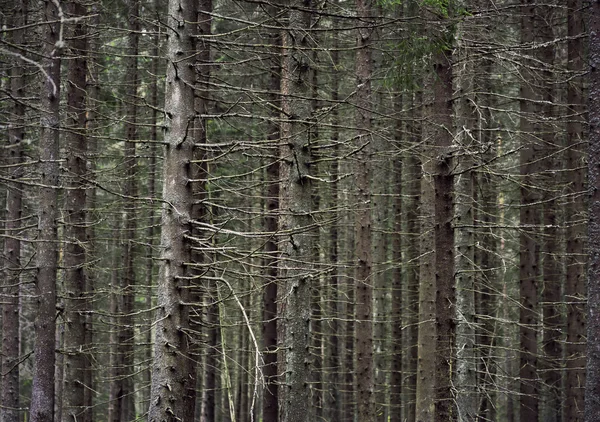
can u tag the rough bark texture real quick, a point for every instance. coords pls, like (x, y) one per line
(552, 266)
(592, 386)
(575, 242)
(441, 133)
(364, 380)
(11, 260)
(426, 393)
(75, 359)
(170, 377)
(295, 201)
(42, 394)
(397, 347)
(529, 245)
(270, 394)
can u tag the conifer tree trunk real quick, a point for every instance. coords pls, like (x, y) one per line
(295, 201)
(466, 364)
(42, 392)
(270, 404)
(170, 375)
(364, 382)
(11, 262)
(575, 266)
(76, 362)
(592, 386)
(528, 238)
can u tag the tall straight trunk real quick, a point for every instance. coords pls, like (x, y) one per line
(397, 346)
(486, 279)
(364, 390)
(11, 262)
(412, 177)
(128, 280)
(443, 178)
(334, 362)
(121, 390)
(42, 391)
(295, 272)
(592, 385)
(170, 374)
(466, 111)
(202, 397)
(575, 242)
(152, 219)
(270, 404)
(528, 238)
(551, 265)
(76, 362)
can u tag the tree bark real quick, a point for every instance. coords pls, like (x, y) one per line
(76, 362)
(11, 262)
(575, 243)
(170, 375)
(295, 201)
(592, 385)
(528, 238)
(42, 392)
(364, 381)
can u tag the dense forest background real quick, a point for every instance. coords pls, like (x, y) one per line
(301, 210)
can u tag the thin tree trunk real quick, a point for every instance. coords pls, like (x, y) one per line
(592, 390)
(397, 314)
(270, 405)
(11, 262)
(528, 238)
(75, 362)
(364, 390)
(466, 363)
(575, 242)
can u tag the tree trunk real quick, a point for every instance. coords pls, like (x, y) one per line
(295, 203)
(468, 144)
(528, 238)
(364, 390)
(11, 262)
(76, 362)
(270, 394)
(170, 375)
(42, 392)
(592, 386)
(575, 266)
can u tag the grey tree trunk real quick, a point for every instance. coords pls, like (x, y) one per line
(575, 262)
(592, 386)
(295, 201)
(528, 238)
(76, 361)
(42, 392)
(170, 376)
(364, 371)
(11, 261)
